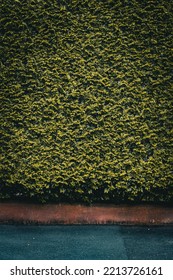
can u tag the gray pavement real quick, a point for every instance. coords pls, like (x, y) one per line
(84, 242)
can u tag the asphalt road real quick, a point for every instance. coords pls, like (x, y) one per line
(85, 242)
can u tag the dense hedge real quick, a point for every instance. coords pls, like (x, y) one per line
(86, 100)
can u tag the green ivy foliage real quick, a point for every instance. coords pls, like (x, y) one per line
(86, 100)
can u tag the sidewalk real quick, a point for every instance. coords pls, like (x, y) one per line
(28, 213)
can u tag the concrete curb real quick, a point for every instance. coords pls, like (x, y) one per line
(27, 213)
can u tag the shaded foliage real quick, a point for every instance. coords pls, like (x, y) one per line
(86, 100)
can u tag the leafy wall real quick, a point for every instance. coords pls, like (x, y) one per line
(86, 100)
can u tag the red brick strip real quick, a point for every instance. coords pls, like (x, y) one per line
(27, 213)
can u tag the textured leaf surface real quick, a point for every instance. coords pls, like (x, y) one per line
(86, 100)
